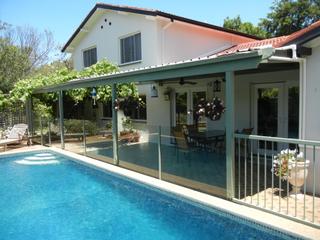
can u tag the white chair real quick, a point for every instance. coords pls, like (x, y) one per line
(14, 135)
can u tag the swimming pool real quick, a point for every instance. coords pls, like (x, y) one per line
(44, 195)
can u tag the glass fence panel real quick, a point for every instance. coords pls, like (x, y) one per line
(98, 140)
(278, 174)
(35, 133)
(138, 147)
(74, 134)
(194, 158)
(54, 136)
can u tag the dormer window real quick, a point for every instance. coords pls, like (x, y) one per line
(89, 57)
(130, 48)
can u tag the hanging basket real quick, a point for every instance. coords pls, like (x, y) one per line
(212, 110)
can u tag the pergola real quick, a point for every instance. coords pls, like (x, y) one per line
(208, 66)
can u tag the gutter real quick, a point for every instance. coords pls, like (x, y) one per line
(302, 83)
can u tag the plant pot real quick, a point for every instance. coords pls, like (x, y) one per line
(298, 174)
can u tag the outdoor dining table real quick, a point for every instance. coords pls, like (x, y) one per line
(207, 137)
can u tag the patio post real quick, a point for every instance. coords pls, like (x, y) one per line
(61, 118)
(115, 125)
(29, 116)
(230, 115)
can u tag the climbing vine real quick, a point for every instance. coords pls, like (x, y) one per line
(24, 88)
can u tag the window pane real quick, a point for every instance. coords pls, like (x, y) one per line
(89, 57)
(107, 109)
(130, 48)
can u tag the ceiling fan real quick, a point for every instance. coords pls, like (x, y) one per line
(182, 82)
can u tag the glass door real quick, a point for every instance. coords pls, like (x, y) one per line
(181, 108)
(196, 98)
(186, 102)
(269, 112)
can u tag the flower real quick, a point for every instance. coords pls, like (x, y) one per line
(284, 161)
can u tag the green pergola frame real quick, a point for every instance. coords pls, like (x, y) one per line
(192, 68)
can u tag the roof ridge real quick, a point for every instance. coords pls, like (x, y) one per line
(154, 12)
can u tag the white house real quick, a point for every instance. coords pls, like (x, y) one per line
(134, 38)
(271, 90)
(279, 98)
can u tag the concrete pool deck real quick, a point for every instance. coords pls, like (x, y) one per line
(251, 214)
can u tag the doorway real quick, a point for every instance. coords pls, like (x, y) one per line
(185, 103)
(276, 112)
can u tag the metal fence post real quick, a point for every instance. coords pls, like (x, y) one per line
(49, 132)
(84, 136)
(159, 153)
(230, 114)
(115, 125)
(61, 118)
(41, 131)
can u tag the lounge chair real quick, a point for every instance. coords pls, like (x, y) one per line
(14, 135)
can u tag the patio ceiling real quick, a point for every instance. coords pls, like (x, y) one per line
(189, 68)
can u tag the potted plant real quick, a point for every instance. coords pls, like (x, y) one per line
(291, 165)
(129, 134)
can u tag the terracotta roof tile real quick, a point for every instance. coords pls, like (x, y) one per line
(271, 42)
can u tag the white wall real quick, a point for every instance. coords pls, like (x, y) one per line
(243, 92)
(182, 41)
(312, 113)
(107, 40)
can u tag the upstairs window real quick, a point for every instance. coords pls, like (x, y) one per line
(89, 57)
(130, 48)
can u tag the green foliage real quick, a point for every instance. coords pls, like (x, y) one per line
(4, 102)
(76, 126)
(288, 16)
(13, 64)
(245, 27)
(24, 88)
(127, 124)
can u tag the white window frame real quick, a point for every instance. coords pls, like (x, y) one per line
(119, 47)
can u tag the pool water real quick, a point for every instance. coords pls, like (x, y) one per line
(47, 196)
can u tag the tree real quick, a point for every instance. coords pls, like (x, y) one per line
(245, 27)
(13, 64)
(22, 50)
(288, 16)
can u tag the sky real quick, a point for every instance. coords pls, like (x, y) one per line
(62, 17)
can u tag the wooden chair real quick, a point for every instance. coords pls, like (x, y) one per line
(182, 143)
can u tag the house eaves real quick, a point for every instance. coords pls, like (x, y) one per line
(151, 12)
(189, 68)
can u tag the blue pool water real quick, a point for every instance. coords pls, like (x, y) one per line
(46, 196)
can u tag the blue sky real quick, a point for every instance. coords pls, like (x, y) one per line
(62, 17)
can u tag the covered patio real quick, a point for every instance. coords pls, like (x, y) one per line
(233, 166)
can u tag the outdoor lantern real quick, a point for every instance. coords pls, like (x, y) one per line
(94, 97)
(217, 86)
(154, 91)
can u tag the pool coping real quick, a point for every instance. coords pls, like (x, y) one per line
(263, 218)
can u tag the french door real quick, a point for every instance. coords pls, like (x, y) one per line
(185, 103)
(276, 112)
(270, 112)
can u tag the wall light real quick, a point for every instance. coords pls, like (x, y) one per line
(154, 91)
(217, 86)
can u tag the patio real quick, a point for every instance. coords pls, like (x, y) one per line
(249, 83)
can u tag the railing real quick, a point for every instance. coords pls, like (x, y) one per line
(261, 180)
(284, 182)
